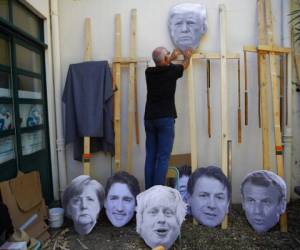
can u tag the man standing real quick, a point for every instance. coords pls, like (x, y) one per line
(160, 112)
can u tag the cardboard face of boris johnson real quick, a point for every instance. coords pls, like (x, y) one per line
(160, 213)
(187, 23)
(119, 204)
(209, 201)
(160, 225)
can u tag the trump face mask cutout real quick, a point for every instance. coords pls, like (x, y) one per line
(187, 24)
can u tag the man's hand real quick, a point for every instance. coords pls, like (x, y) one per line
(188, 53)
(175, 54)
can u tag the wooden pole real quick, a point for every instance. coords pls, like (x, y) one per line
(117, 95)
(192, 115)
(276, 107)
(87, 57)
(224, 101)
(208, 98)
(131, 91)
(263, 87)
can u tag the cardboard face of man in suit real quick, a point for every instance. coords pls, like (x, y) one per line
(209, 195)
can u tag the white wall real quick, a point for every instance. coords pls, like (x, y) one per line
(152, 32)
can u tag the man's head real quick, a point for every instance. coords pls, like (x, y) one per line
(82, 201)
(160, 213)
(263, 199)
(209, 195)
(161, 56)
(120, 198)
(187, 23)
(184, 175)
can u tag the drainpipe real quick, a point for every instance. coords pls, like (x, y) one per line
(287, 130)
(60, 143)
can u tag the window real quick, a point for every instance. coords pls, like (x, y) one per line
(24, 136)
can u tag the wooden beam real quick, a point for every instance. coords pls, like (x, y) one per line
(117, 95)
(128, 60)
(274, 49)
(87, 57)
(266, 49)
(131, 91)
(87, 40)
(276, 106)
(210, 55)
(224, 99)
(192, 116)
(263, 88)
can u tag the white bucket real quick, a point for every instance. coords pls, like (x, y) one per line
(56, 217)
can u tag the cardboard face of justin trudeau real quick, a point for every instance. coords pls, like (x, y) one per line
(209, 201)
(263, 205)
(186, 24)
(160, 214)
(119, 204)
(84, 208)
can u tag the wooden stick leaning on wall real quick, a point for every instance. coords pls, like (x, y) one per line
(136, 110)
(239, 121)
(246, 88)
(208, 97)
(87, 57)
(259, 90)
(286, 89)
(281, 91)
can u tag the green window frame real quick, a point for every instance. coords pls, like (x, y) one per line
(23, 106)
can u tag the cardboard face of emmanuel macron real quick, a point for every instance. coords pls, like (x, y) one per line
(262, 206)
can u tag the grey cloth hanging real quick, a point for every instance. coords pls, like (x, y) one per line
(88, 98)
